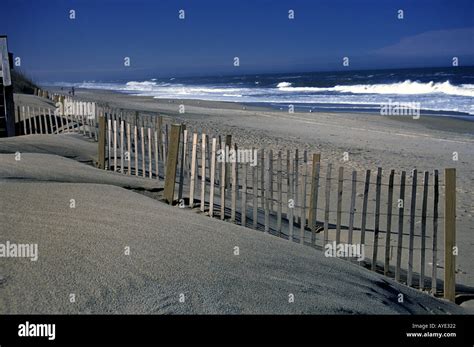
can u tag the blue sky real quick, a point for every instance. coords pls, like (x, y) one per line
(54, 47)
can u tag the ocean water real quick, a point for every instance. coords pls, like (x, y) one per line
(448, 91)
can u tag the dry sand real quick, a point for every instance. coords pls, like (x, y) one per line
(34, 149)
(172, 252)
(371, 140)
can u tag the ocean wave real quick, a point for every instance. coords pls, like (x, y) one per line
(284, 85)
(441, 96)
(140, 86)
(410, 88)
(401, 88)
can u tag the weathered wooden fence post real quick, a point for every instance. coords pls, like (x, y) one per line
(328, 201)
(7, 116)
(24, 120)
(449, 234)
(401, 213)
(423, 230)
(389, 223)
(290, 196)
(435, 233)
(352, 208)
(228, 144)
(172, 163)
(340, 186)
(95, 120)
(157, 164)
(213, 177)
(313, 200)
(412, 228)
(303, 198)
(115, 145)
(142, 142)
(295, 183)
(129, 150)
(364, 207)
(270, 181)
(255, 193)
(40, 120)
(203, 172)
(376, 219)
(50, 121)
(135, 142)
(266, 191)
(101, 156)
(243, 212)
(150, 157)
(193, 170)
(159, 131)
(262, 178)
(233, 204)
(183, 162)
(28, 117)
(122, 129)
(223, 185)
(109, 140)
(279, 192)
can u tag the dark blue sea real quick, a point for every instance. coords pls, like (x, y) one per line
(443, 91)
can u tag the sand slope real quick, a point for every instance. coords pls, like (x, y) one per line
(53, 168)
(72, 146)
(172, 251)
(48, 158)
(401, 143)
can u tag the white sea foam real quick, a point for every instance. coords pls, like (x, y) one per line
(140, 86)
(432, 96)
(402, 88)
(284, 85)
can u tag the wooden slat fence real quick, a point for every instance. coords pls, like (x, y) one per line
(393, 216)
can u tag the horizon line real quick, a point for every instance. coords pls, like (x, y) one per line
(262, 74)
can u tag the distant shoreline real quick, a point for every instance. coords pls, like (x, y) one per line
(440, 121)
(445, 91)
(298, 107)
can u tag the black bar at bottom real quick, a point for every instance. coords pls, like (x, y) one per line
(265, 329)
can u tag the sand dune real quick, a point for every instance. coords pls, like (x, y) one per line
(73, 146)
(46, 158)
(172, 252)
(372, 140)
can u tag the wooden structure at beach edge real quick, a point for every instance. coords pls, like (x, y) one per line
(7, 107)
(290, 194)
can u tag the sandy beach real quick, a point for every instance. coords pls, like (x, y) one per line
(175, 252)
(228, 168)
(390, 142)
